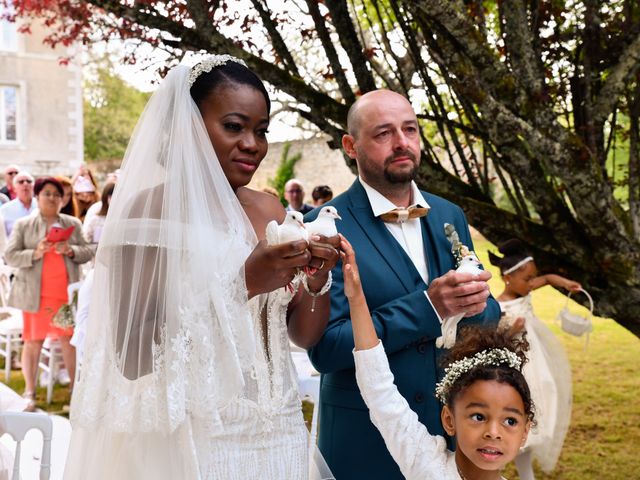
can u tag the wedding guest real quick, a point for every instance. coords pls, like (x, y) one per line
(86, 194)
(69, 206)
(92, 227)
(44, 270)
(22, 205)
(10, 172)
(321, 195)
(112, 177)
(548, 371)
(409, 280)
(294, 195)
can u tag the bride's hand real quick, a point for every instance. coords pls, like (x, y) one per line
(324, 256)
(271, 267)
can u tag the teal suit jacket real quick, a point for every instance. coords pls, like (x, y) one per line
(405, 322)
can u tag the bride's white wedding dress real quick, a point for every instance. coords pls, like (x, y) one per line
(183, 377)
(264, 435)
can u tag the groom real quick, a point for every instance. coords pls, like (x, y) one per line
(406, 271)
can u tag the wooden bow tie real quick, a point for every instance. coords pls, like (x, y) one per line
(403, 214)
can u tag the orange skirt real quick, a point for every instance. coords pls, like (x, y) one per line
(53, 294)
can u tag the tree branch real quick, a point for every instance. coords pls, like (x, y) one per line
(277, 41)
(330, 51)
(341, 19)
(195, 40)
(615, 83)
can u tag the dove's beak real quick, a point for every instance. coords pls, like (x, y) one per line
(337, 217)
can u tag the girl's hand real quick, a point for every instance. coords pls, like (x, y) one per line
(572, 286)
(352, 285)
(271, 267)
(42, 247)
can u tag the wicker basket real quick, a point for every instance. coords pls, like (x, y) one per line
(573, 323)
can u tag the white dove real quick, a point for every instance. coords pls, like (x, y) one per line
(325, 224)
(469, 264)
(291, 229)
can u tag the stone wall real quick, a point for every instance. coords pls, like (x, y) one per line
(319, 165)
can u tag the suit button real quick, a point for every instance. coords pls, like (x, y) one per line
(419, 397)
(422, 348)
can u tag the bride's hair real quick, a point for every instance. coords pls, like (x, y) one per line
(230, 74)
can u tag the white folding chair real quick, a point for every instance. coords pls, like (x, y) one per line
(50, 362)
(5, 282)
(17, 425)
(10, 336)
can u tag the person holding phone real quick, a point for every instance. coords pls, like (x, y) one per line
(45, 269)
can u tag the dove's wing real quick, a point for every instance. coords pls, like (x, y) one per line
(272, 233)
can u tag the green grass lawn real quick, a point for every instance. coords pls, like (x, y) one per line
(60, 397)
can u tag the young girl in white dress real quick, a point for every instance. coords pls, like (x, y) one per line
(487, 405)
(548, 371)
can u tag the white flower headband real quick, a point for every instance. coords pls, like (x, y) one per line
(522, 262)
(496, 356)
(209, 64)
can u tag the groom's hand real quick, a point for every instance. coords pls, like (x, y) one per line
(455, 293)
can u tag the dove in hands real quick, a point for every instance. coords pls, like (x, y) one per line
(291, 229)
(325, 225)
(469, 264)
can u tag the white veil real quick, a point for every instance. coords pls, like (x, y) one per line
(170, 331)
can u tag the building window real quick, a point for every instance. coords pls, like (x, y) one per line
(8, 32)
(8, 114)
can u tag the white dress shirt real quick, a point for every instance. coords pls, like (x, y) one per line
(408, 234)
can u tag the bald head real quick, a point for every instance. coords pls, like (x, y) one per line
(364, 105)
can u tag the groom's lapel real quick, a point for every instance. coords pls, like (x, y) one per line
(432, 236)
(389, 249)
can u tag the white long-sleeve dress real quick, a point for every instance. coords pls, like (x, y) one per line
(548, 374)
(420, 455)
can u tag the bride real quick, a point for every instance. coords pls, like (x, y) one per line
(187, 372)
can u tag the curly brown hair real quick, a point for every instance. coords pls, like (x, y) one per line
(475, 339)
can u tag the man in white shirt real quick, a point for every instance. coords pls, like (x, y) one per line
(408, 276)
(22, 205)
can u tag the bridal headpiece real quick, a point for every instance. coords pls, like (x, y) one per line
(209, 64)
(495, 356)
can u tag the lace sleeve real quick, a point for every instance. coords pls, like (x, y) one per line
(419, 454)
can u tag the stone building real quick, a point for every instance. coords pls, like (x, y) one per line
(41, 126)
(319, 165)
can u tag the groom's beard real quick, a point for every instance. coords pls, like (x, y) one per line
(405, 176)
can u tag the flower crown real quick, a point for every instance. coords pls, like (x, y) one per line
(495, 356)
(209, 64)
